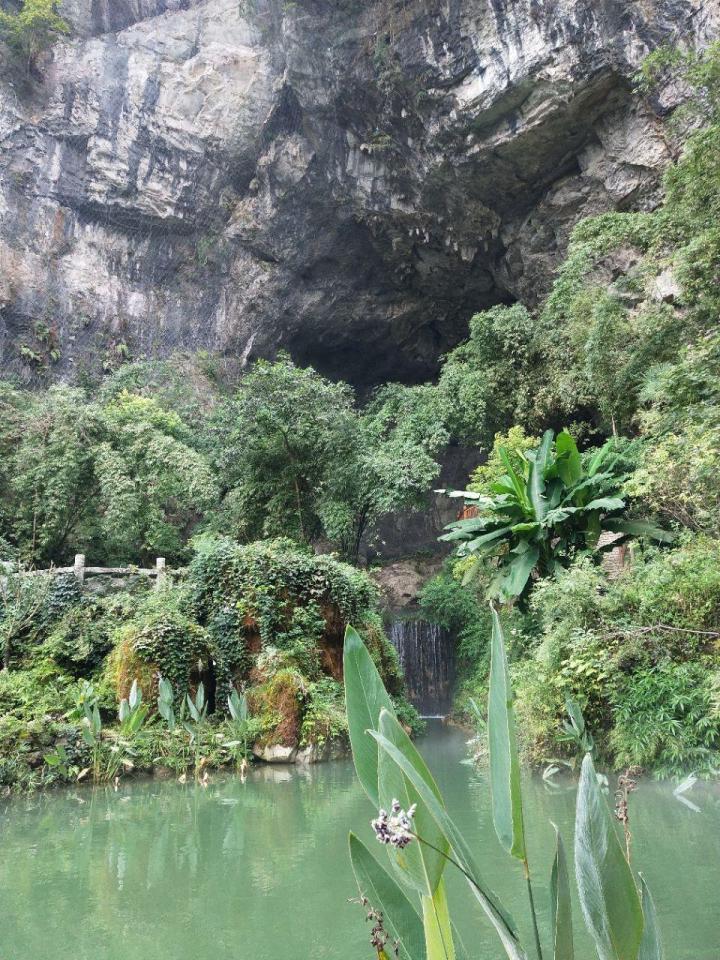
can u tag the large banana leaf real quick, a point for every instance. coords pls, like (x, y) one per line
(365, 698)
(420, 865)
(608, 895)
(568, 460)
(605, 503)
(651, 947)
(501, 921)
(487, 538)
(560, 906)
(504, 763)
(461, 529)
(517, 573)
(383, 893)
(517, 482)
(536, 483)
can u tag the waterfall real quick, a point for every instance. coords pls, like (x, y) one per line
(427, 657)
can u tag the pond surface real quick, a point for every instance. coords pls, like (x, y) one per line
(259, 871)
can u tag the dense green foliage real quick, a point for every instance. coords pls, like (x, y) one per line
(132, 470)
(639, 654)
(120, 480)
(627, 345)
(33, 29)
(301, 460)
(265, 618)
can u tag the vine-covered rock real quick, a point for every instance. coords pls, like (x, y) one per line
(276, 615)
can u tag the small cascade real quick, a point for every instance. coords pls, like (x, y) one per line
(427, 657)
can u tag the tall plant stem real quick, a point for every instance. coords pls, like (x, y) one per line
(469, 878)
(449, 859)
(531, 898)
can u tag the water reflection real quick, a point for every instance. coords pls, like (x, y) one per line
(164, 870)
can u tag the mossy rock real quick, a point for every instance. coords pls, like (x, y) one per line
(159, 641)
(277, 703)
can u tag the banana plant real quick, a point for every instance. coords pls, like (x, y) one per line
(536, 515)
(422, 840)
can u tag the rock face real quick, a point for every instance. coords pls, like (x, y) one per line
(349, 181)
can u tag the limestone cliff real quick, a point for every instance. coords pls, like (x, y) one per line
(346, 180)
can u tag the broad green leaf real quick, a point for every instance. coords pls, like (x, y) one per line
(606, 503)
(436, 923)
(420, 864)
(504, 763)
(194, 713)
(383, 893)
(640, 528)
(503, 485)
(497, 915)
(536, 483)
(365, 698)
(651, 947)
(608, 895)
(568, 460)
(461, 529)
(599, 459)
(558, 514)
(516, 481)
(487, 538)
(96, 720)
(560, 907)
(528, 527)
(517, 573)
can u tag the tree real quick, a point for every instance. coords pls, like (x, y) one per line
(152, 485)
(285, 426)
(120, 481)
(482, 380)
(32, 30)
(393, 464)
(49, 442)
(302, 461)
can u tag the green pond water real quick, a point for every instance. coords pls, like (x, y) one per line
(259, 871)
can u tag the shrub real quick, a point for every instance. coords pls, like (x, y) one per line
(324, 719)
(79, 642)
(664, 719)
(637, 654)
